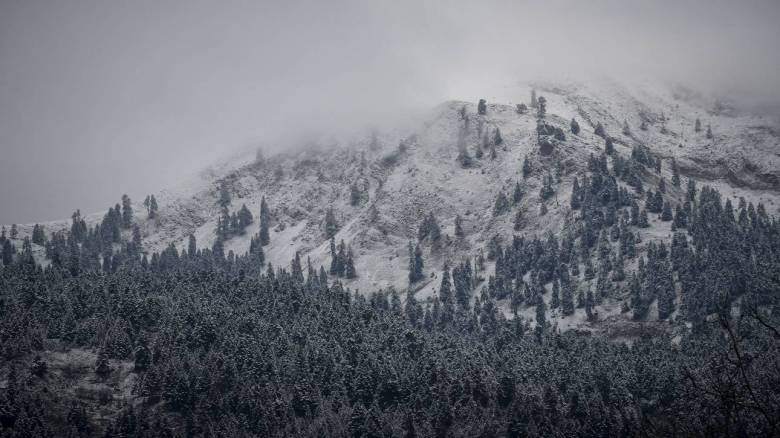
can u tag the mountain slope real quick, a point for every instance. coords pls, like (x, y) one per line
(404, 176)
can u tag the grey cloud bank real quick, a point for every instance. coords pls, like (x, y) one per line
(99, 99)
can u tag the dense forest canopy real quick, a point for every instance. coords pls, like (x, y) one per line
(221, 346)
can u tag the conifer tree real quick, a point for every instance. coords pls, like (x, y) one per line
(349, 268)
(497, 139)
(697, 126)
(547, 190)
(127, 212)
(609, 146)
(575, 127)
(331, 226)
(517, 195)
(355, 195)
(541, 107)
(38, 235)
(599, 130)
(265, 222)
(152, 207)
(643, 221)
(482, 107)
(567, 299)
(709, 132)
(555, 300)
(224, 195)
(518, 221)
(501, 205)
(575, 195)
(102, 365)
(415, 264)
(192, 246)
(459, 227)
(526, 167)
(675, 174)
(541, 318)
(8, 252)
(666, 214)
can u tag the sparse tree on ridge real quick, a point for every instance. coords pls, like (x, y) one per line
(541, 107)
(482, 107)
(127, 212)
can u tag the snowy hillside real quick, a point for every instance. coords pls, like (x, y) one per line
(404, 176)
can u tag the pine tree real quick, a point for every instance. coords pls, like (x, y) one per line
(709, 132)
(675, 174)
(192, 246)
(501, 205)
(626, 128)
(331, 226)
(697, 126)
(518, 222)
(245, 219)
(691, 190)
(666, 214)
(152, 207)
(600, 130)
(136, 238)
(127, 212)
(541, 107)
(38, 235)
(459, 227)
(14, 232)
(415, 263)
(224, 195)
(541, 318)
(8, 252)
(265, 223)
(517, 195)
(526, 167)
(575, 127)
(643, 221)
(575, 195)
(349, 268)
(334, 259)
(555, 300)
(589, 303)
(418, 262)
(445, 296)
(547, 190)
(609, 146)
(102, 364)
(482, 107)
(497, 139)
(355, 196)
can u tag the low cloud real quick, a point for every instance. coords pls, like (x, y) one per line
(98, 99)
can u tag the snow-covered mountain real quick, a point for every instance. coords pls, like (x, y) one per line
(404, 175)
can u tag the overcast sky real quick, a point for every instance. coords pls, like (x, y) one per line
(100, 98)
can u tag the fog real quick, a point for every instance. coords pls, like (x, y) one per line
(103, 98)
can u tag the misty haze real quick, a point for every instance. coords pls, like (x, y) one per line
(381, 219)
